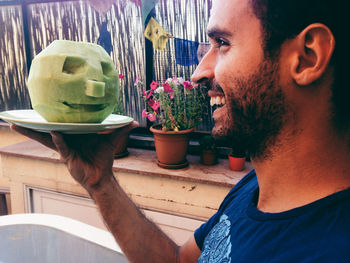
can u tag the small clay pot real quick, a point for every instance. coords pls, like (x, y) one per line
(236, 163)
(171, 147)
(208, 157)
(121, 149)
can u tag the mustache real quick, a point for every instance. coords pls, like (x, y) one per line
(214, 88)
(216, 85)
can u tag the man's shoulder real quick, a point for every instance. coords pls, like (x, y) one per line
(241, 194)
(335, 211)
(248, 183)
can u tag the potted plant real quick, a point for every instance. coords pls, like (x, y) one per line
(121, 149)
(237, 158)
(208, 150)
(176, 107)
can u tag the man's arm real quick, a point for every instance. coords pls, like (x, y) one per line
(89, 159)
(140, 239)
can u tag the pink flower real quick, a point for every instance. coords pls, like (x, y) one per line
(144, 92)
(154, 85)
(154, 104)
(121, 76)
(167, 87)
(175, 81)
(151, 117)
(147, 95)
(187, 84)
(144, 113)
(171, 95)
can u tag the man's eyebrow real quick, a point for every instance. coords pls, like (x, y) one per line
(215, 32)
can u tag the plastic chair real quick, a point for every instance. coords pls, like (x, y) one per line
(36, 238)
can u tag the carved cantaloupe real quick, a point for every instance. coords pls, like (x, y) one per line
(73, 82)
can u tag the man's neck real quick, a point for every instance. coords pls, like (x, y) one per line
(305, 167)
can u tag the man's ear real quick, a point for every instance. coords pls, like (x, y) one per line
(313, 51)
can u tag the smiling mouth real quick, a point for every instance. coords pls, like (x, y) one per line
(216, 94)
(85, 107)
(217, 101)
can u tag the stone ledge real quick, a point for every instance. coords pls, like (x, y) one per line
(143, 162)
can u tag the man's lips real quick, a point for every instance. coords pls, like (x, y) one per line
(218, 104)
(219, 114)
(216, 94)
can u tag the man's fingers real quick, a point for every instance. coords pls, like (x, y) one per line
(43, 138)
(60, 144)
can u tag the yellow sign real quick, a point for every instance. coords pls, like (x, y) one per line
(156, 34)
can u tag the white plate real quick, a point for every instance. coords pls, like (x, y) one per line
(32, 120)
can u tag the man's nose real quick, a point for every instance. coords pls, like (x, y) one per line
(205, 70)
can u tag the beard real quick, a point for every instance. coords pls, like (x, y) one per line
(256, 111)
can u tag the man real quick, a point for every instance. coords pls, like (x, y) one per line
(280, 67)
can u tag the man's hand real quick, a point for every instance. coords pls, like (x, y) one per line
(89, 157)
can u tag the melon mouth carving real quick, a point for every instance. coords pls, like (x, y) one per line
(86, 107)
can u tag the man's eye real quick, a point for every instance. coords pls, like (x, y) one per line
(220, 42)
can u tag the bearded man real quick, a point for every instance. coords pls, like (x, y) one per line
(280, 67)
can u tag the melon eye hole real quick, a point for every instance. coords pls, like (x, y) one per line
(73, 65)
(107, 69)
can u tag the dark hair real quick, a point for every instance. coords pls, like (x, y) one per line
(285, 19)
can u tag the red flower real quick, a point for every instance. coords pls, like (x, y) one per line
(154, 104)
(147, 95)
(167, 87)
(154, 85)
(144, 92)
(187, 84)
(121, 76)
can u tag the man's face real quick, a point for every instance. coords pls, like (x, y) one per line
(244, 83)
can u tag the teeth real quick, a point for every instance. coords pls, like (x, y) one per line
(218, 100)
(212, 101)
(223, 102)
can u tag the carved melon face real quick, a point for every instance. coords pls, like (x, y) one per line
(73, 82)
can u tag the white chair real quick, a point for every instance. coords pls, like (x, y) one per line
(43, 238)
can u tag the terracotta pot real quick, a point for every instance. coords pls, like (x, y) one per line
(236, 163)
(121, 150)
(208, 157)
(171, 147)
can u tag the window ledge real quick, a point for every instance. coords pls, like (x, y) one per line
(141, 161)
